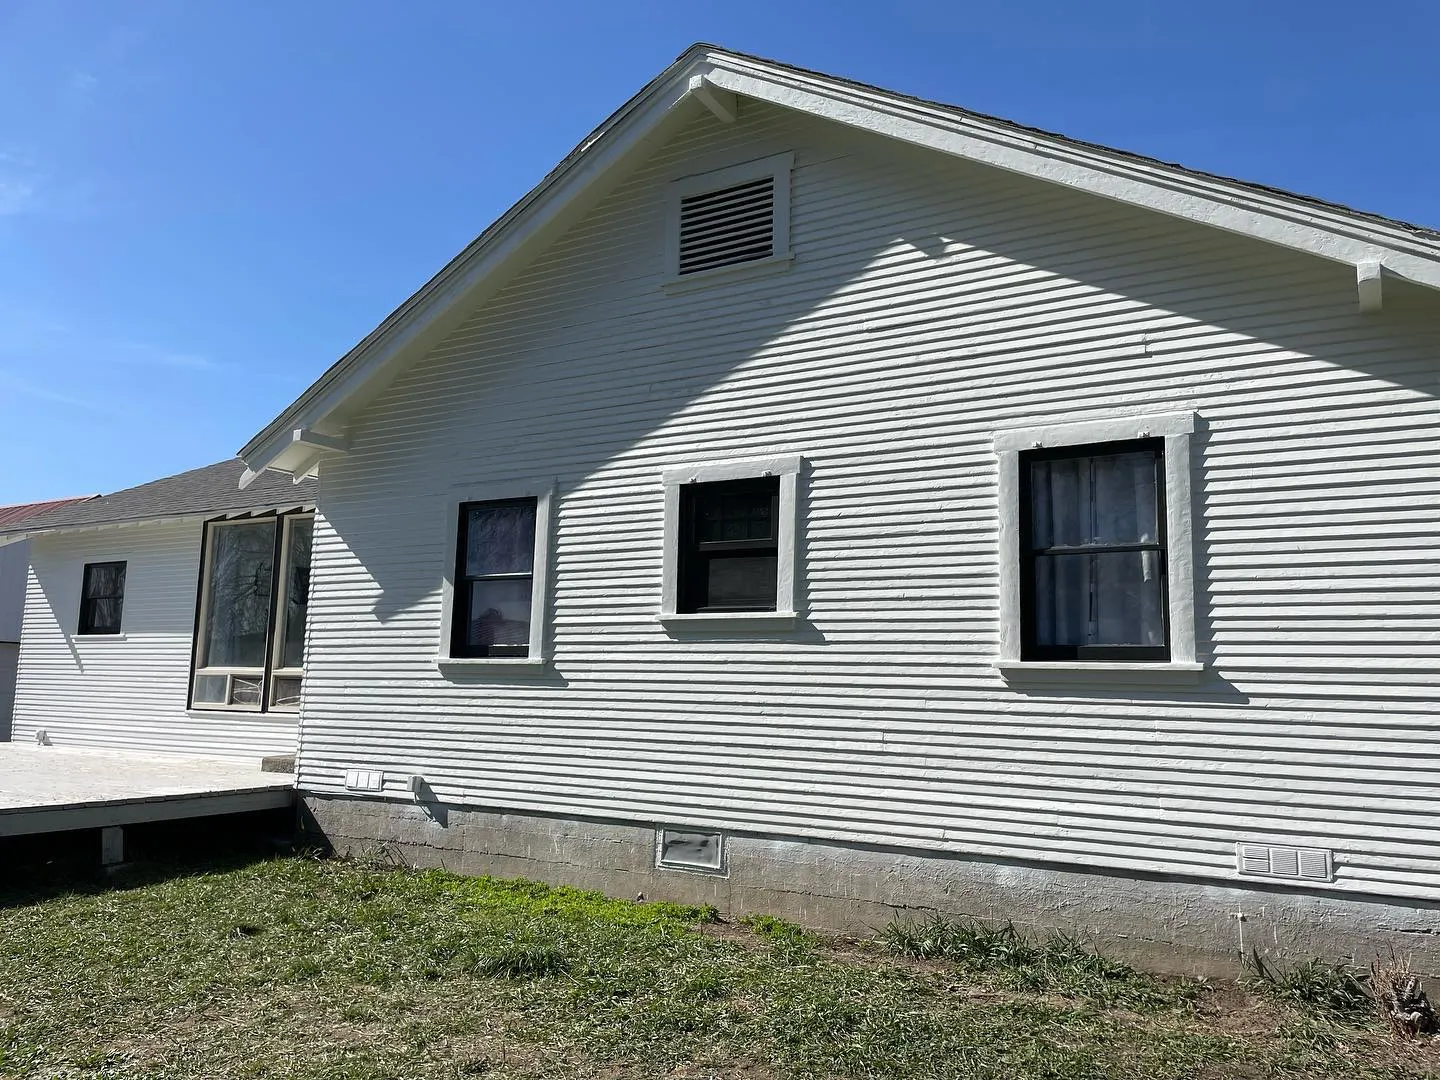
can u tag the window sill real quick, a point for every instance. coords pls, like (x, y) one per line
(723, 274)
(481, 663)
(285, 716)
(97, 637)
(1099, 671)
(777, 620)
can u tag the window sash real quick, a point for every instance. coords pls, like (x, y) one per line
(1032, 556)
(285, 580)
(697, 555)
(462, 622)
(90, 600)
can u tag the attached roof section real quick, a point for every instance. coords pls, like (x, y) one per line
(11, 516)
(718, 80)
(212, 490)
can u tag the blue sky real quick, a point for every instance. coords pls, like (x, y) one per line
(203, 205)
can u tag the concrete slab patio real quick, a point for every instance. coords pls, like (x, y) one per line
(53, 789)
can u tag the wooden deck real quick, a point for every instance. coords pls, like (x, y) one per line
(52, 789)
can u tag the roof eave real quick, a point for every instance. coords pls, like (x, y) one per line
(1292, 221)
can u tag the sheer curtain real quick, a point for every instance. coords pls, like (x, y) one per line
(1101, 597)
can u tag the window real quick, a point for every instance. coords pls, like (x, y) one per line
(1096, 550)
(495, 584)
(1092, 539)
(729, 545)
(730, 218)
(494, 579)
(730, 541)
(250, 635)
(102, 598)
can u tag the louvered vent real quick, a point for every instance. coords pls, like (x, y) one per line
(722, 228)
(1266, 860)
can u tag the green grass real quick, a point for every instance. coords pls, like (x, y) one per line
(305, 968)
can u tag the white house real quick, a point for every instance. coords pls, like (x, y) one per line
(817, 500)
(168, 617)
(14, 561)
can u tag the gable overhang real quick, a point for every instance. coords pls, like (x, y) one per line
(716, 81)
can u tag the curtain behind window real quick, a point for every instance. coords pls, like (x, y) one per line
(1097, 598)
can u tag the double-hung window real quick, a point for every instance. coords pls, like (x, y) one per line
(493, 604)
(254, 591)
(102, 598)
(1092, 537)
(1096, 548)
(729, 545)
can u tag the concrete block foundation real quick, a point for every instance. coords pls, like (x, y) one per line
(1163, 924)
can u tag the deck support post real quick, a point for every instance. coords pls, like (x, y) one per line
(112, 845)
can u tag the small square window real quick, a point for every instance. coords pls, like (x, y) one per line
(729, 545)
(102, 598)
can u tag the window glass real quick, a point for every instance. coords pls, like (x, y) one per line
(297, 593)
(241, 572)
(729, 553)
(1096, 555)
(102, 598)
(494, 583)
(500, 538)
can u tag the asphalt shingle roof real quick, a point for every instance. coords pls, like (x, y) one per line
(214, 489)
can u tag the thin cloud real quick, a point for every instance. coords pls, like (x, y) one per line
(14, 384)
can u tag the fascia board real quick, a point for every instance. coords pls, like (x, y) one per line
(1303, 226)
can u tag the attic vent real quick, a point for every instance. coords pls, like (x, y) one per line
(730, 217)
(1303, 864)
(729, 226)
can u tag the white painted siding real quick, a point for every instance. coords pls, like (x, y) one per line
(14, 560)
(127, 692)
(930, 303)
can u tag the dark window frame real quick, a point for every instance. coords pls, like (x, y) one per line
(1029, 555)
(695, 555)
(86, 626)
(280, 521)
(460, 600)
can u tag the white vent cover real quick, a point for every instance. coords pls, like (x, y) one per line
(1296, 864)
(732, 225)
(365, 780)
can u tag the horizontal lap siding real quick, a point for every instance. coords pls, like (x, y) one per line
(930, 303)
(125, 693)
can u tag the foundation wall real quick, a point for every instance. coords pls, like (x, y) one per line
(1174, 925)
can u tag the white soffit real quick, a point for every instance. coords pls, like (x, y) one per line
(718, 80)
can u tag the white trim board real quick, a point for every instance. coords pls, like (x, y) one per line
(609, 153)
(1176, 429)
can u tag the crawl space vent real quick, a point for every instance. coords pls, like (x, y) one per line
(1296, 864)
(682, 849)
(722, 228)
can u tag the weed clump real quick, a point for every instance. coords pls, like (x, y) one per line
(1056, 964)
(521, 961)
(1333, 989)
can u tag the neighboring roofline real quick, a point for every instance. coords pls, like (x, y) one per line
(1367, 241)
(21, 533)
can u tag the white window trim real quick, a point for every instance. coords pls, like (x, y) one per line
(543, 492)
(1176, 429)
(787, 468)
(778, 166)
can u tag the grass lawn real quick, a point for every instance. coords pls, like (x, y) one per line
(301, 967)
